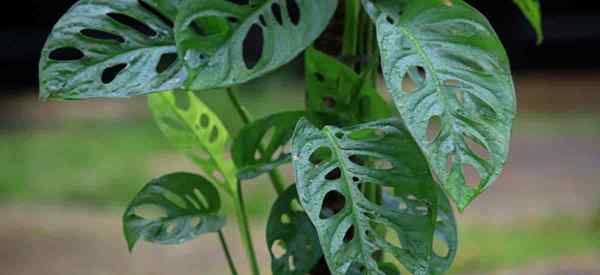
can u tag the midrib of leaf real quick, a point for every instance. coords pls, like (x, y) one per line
(231, 184)
(358, 226)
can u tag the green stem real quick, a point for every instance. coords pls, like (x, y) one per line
(351, 27)
(276, 178)
(227, 254)
(244, 227)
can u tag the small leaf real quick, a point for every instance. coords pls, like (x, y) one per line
(336, 95)
(252, 156)
(190, 204)
(197, 131)
(533, 12)
(112, 48)
(450, 79)
(348, 224)
(291, 237)
(217, 38)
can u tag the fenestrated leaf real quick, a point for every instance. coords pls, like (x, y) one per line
(336, 95)
(291, 237)
(190, 205)
(217, 37)
(260, 146)
(443, 62)
(381, 153)
(533, 12)
(112, 48)
(197, 131)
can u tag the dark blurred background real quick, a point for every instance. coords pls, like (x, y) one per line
(67, 169)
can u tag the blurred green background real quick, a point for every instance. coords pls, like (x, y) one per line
(69, 168)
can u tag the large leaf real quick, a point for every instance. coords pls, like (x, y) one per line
(443, 63)
(332, 165)
(197, 131)
(260, 146)
(336, 95)
(112, 48)
(219, 38)
(533, 12)
(189, 204)
(291, 237)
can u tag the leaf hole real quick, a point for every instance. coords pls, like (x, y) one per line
(201, 199)
(471, 175)
(320, 77)
(477, 148)
(204, 121)
(293, 11)
(66, 54)
(295, 206)
(349, 236)
(171, 228)
(322, 154)
(262, 20)
(333, 203)
(390, 20)
(174, 198)
(268, 137)
(102, 35)
(334, 174)
(356, 159)
(276, 10)
(285, 219)
(109, 74)
(150, 212)
(440, 247)
(434, 128)
(165, 62)
(278, 249)
(329, 102)
(214, 134)
(253, 46)
(132, 23)
(383, 164)
(233, 20)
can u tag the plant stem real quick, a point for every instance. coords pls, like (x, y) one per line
(276, 178)
(227, 254)
(244, 227)
(351, 27)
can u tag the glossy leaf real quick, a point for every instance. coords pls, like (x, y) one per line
(218, 38)
(197, 131)
(112, 48)
(189, 205)
(533, 12)
(443, 63)
(260, 146)
(336, 95)
(292, 239)
(381, 153)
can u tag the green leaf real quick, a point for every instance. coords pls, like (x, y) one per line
(336, 95)
(217, 37)
(173, 209)
(260, 146)
(444, 63)
(197, 131)
(291, 237)
(112, 48)
(383, 154)
(533, 12)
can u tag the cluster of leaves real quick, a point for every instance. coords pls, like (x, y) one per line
(372, 190)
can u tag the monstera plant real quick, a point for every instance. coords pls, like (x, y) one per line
(374, 180)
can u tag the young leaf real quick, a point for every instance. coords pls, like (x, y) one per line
(444, 64)
(197, 131)
(331, 166)
(255, 148)
(336, 95)
(533, 12)
(188, 204)
(218, 38)
(111, 48)
(291, 237)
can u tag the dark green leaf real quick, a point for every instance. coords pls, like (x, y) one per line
(348, 224)
(196, 130)
(260, 146)
(187, 205)
(336, 95)
(533, 12)
(291, 237)
(443, 63)
(112, 48)
(218, 38)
